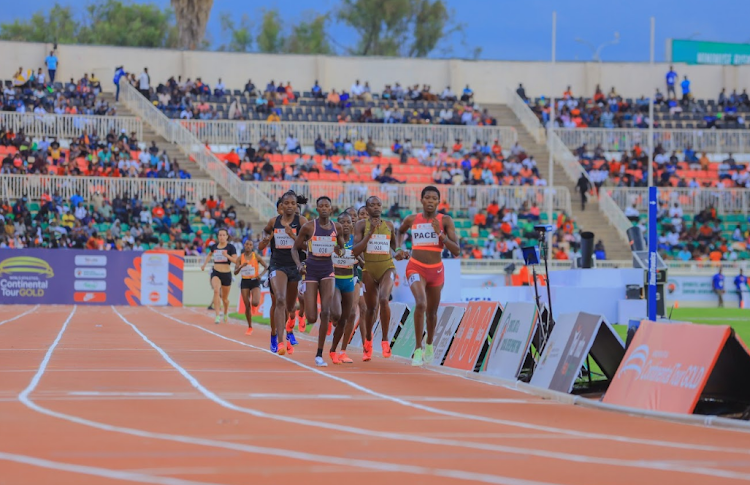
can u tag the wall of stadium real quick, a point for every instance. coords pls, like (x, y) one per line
(488, 79)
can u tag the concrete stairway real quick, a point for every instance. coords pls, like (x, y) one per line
(174, 153)
(592, 219)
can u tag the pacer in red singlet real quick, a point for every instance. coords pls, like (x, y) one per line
(431, 232)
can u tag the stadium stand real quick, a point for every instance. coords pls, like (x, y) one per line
(30, 92)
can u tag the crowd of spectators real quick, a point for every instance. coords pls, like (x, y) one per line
(124, 223)
(686, 169)
(114, 155)
(35, 92)
(611, 110)
(194, 99)
(702, 237)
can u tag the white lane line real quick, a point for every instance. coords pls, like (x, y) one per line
(486, 419)
(23, 397)
(96, 471)
(638, 464)
(97, 393)
(19, 316)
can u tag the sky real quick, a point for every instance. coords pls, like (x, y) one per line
(521, 29)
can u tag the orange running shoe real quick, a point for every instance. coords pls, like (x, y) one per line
(282, 350)
(330, 327)
(367, 345)
(334, 357)
(344, 359)
(249, 331)
(302, 324)
(386, 349)
(289, 348)
(290, 325)
(366, 355)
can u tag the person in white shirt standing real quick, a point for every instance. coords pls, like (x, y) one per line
(144, 83)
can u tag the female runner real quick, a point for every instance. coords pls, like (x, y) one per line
(320, 236)
(343, 267)
(375, 239)
(223, 254)
(247, 267)
(265, 242)
(425, 275)
(359, 287)
(283, 271)
(298, 313)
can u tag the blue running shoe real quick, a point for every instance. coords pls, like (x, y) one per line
(274, 344)
(291, 338)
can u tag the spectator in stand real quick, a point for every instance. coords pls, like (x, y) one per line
(292, 144)
(521, 92)
(51, 63)
(671, 80)
(685, 85)
(144, 83)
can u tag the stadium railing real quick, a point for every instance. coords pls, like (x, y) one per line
(497, 266)
(69, 126)
(621, 139)
(13, 187)
(383, 135)
(562, 154)
(615, 215)
(526, 116)
(408, 195)
(197, 152)
(692, 201)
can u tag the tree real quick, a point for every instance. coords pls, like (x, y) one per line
(412, 28)
(139, 25)
(240, 36)
(59, 25)
(309, 37)
(269, 38)
(192, 18)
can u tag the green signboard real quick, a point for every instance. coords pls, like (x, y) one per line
(699, 52)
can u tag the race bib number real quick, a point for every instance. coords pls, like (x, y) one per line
(220, 256)
(379, 244)
(282, 239)
(322, 246)
(248, 271)
(414, 277)
(347, 261)
(424, 235)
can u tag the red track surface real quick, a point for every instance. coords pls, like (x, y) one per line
(87, 399)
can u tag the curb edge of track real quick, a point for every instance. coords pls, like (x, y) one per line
(564, 398)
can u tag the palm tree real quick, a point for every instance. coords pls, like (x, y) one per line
(192, 17)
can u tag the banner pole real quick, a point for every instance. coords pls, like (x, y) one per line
(652, 207)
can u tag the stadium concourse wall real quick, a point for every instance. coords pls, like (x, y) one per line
(488, 79)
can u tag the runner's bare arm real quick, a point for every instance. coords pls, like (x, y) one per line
(449, 237)
(238, 267)
(305, 233)
(205, 261)
(263, 263)
(340, 239)
(404, 228)
(360, 238)
(268, 232)
(398, 254)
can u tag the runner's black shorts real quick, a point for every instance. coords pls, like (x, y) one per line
(250, 284)
(225, 278)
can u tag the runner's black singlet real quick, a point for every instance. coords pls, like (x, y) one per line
(282, 244)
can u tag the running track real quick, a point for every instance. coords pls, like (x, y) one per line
(100, 395)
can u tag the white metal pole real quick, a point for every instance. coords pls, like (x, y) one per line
(550, 125)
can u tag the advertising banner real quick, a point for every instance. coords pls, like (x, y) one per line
(451, 290)
(700, 288)
(66, 277)
(512, 340)
(563, 356)
(667, 366)
(471, 336)
(406, 339)
(397, 316)
(700, 52)
(448, 319)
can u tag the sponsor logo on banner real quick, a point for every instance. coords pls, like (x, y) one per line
(154, 278)
(667, 366)
(100, 273)
(89, 297)
(471, 335)
(569, 344)
(448, 319)
(90, 285)
(89, 260)
(512, 340)
(24, 277)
